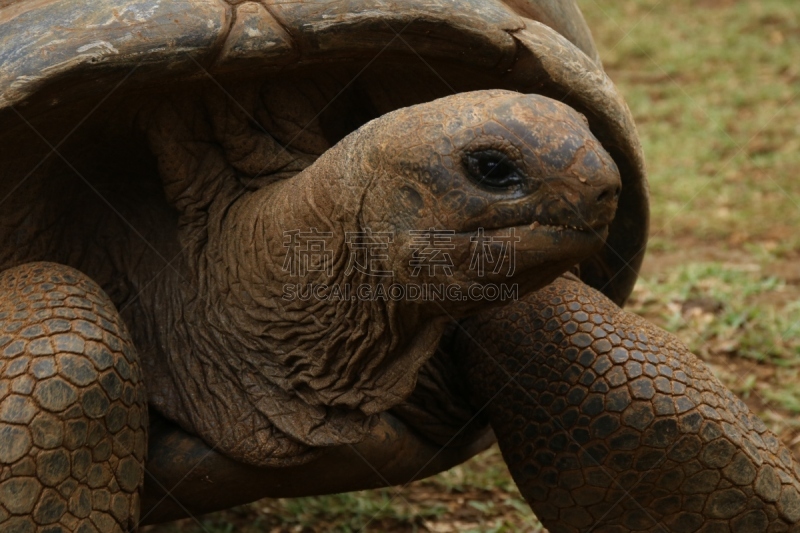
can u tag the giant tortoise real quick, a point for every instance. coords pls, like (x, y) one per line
(179, 181)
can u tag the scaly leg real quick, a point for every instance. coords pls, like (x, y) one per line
(73, 413)
(609, 424)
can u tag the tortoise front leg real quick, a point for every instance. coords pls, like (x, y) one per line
(73, 413)
(609, 424)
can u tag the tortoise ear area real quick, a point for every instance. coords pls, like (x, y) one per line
(410, 200)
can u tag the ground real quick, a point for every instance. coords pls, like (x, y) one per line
(714, 86)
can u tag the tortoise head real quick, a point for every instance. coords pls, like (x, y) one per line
(515, 181)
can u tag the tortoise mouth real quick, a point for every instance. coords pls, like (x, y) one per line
(598, 229)
(539, 237)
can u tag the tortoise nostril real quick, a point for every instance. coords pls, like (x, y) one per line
(610, 193)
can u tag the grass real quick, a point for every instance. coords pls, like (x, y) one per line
(719, 309)
(713, 92)
(713, 85)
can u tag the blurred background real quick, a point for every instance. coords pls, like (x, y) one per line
(714, 86)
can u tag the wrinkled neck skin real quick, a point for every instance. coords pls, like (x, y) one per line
(245, 353)
(266, 375)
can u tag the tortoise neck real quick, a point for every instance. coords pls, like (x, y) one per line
(289, 360)
(287, 234)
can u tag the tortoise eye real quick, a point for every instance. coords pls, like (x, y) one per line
(493, 169)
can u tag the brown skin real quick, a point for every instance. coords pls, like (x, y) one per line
(265, 380)
(284, 370)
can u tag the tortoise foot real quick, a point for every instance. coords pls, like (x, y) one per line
(610, 424)
(73, 413)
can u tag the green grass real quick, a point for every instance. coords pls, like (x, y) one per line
(713, 85)
(345, 513)
(719, 309)
(713, 92)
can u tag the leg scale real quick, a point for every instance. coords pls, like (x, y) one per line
(73, 412)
